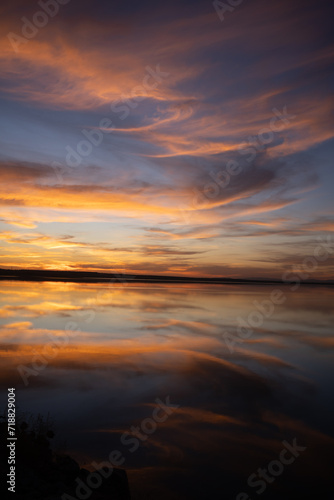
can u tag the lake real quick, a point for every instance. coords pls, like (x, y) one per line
(198, 391)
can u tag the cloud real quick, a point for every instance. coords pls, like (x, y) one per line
(159, 172)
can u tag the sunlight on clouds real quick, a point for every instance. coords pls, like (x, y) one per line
(175, 120)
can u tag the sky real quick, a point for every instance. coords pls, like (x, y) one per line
(188, 137)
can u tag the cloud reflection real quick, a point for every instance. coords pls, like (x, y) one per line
(235, 409)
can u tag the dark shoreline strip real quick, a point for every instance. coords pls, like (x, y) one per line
(94, 277)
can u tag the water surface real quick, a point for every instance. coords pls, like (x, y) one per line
(98, 357)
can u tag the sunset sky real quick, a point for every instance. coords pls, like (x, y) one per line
(166, 137)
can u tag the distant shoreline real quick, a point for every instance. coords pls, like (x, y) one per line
(95, 277)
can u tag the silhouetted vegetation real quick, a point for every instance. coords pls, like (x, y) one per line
(42, 474)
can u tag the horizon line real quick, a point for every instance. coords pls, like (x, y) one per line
(102, 276)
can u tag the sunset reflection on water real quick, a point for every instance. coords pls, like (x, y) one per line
(97, 357)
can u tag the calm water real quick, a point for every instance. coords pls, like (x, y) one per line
(109, 352)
